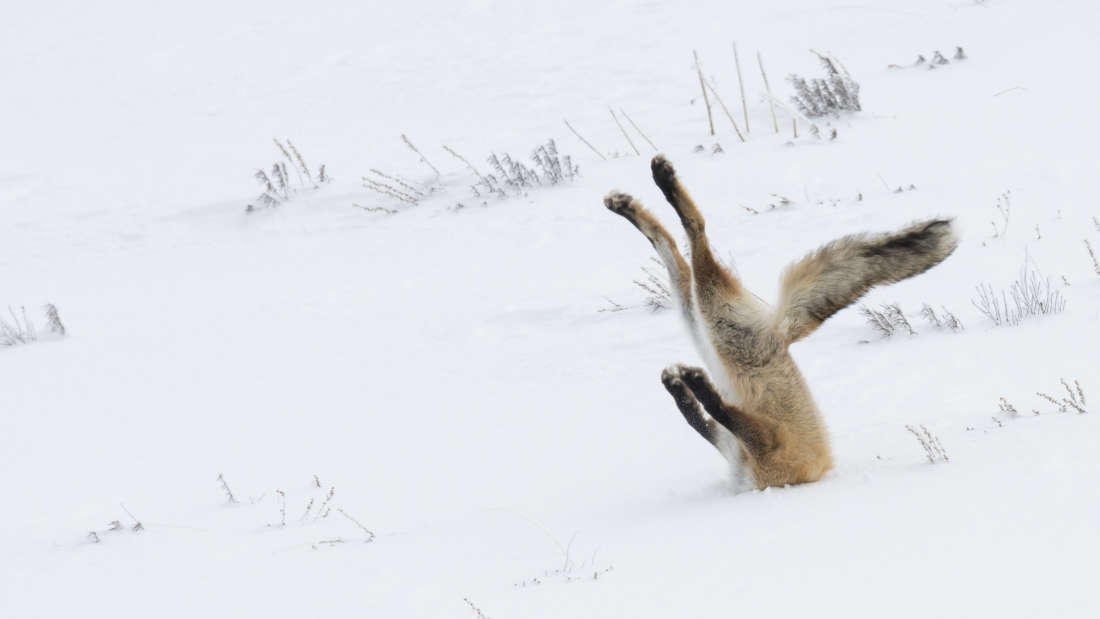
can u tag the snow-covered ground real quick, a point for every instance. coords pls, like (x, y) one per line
(448, 376)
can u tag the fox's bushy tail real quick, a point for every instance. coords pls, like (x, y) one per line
(839, 273)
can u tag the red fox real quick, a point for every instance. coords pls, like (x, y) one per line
(765, 407)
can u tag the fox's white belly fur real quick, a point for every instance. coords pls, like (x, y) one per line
(741, 478)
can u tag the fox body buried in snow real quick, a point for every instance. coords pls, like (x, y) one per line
(767, 422)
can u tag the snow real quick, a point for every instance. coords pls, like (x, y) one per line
(450, 373)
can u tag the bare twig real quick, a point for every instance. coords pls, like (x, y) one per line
(625, 134)
(322, 511)
(395, 179)
(741, 86)
(933, 449)
(423, 159)
(1095, 264)
(305, 514)
(388, 190)
(225, 487)
(1048, 398)
(463, 160)
(724, 109)
(760, 60)
(638, 129)
(612, 306)
(702, 86)
(370, 534)
(375, 209)
(301, 162)
(473, 607)
(282, 507)
(1075, 405)
(290, 160)
(586, 142)
(137, 523)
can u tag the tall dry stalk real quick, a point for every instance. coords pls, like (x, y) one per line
(586, 142)
(725, 109)
(423, 159)
(625, 134)
(1095, 263)
(638, 129)
(463, 160)
(741, 85)
(768, 88)
(702, 86)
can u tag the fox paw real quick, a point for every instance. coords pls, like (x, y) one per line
(694, 376)
(672, 377)
(670, 374)
(620, 204)
(663, 172)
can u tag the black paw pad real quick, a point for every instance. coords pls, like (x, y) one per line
(663, 172)
(695, 376)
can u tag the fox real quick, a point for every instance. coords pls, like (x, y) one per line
(761, 417)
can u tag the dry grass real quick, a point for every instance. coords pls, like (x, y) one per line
(277, 185)
(473, 607)
(890, 320)
(829, 96)
(1095, 263)
(18, 328)
(229, 498)
(1076, 399)
(658, 296)
(1030, 295)
(933, 449)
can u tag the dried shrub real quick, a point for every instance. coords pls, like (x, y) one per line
(1076, 399)
(512, 177)
(658, 296)
(18, 328)
(1030, 295)
(1007, 408)
(887, 320)
(53, 320)
(395, 187)
(826, 96)
(277, 186)
(933, 449)
(947, 321)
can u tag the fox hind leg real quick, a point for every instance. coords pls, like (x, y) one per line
(758, 434)
(689, 407)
